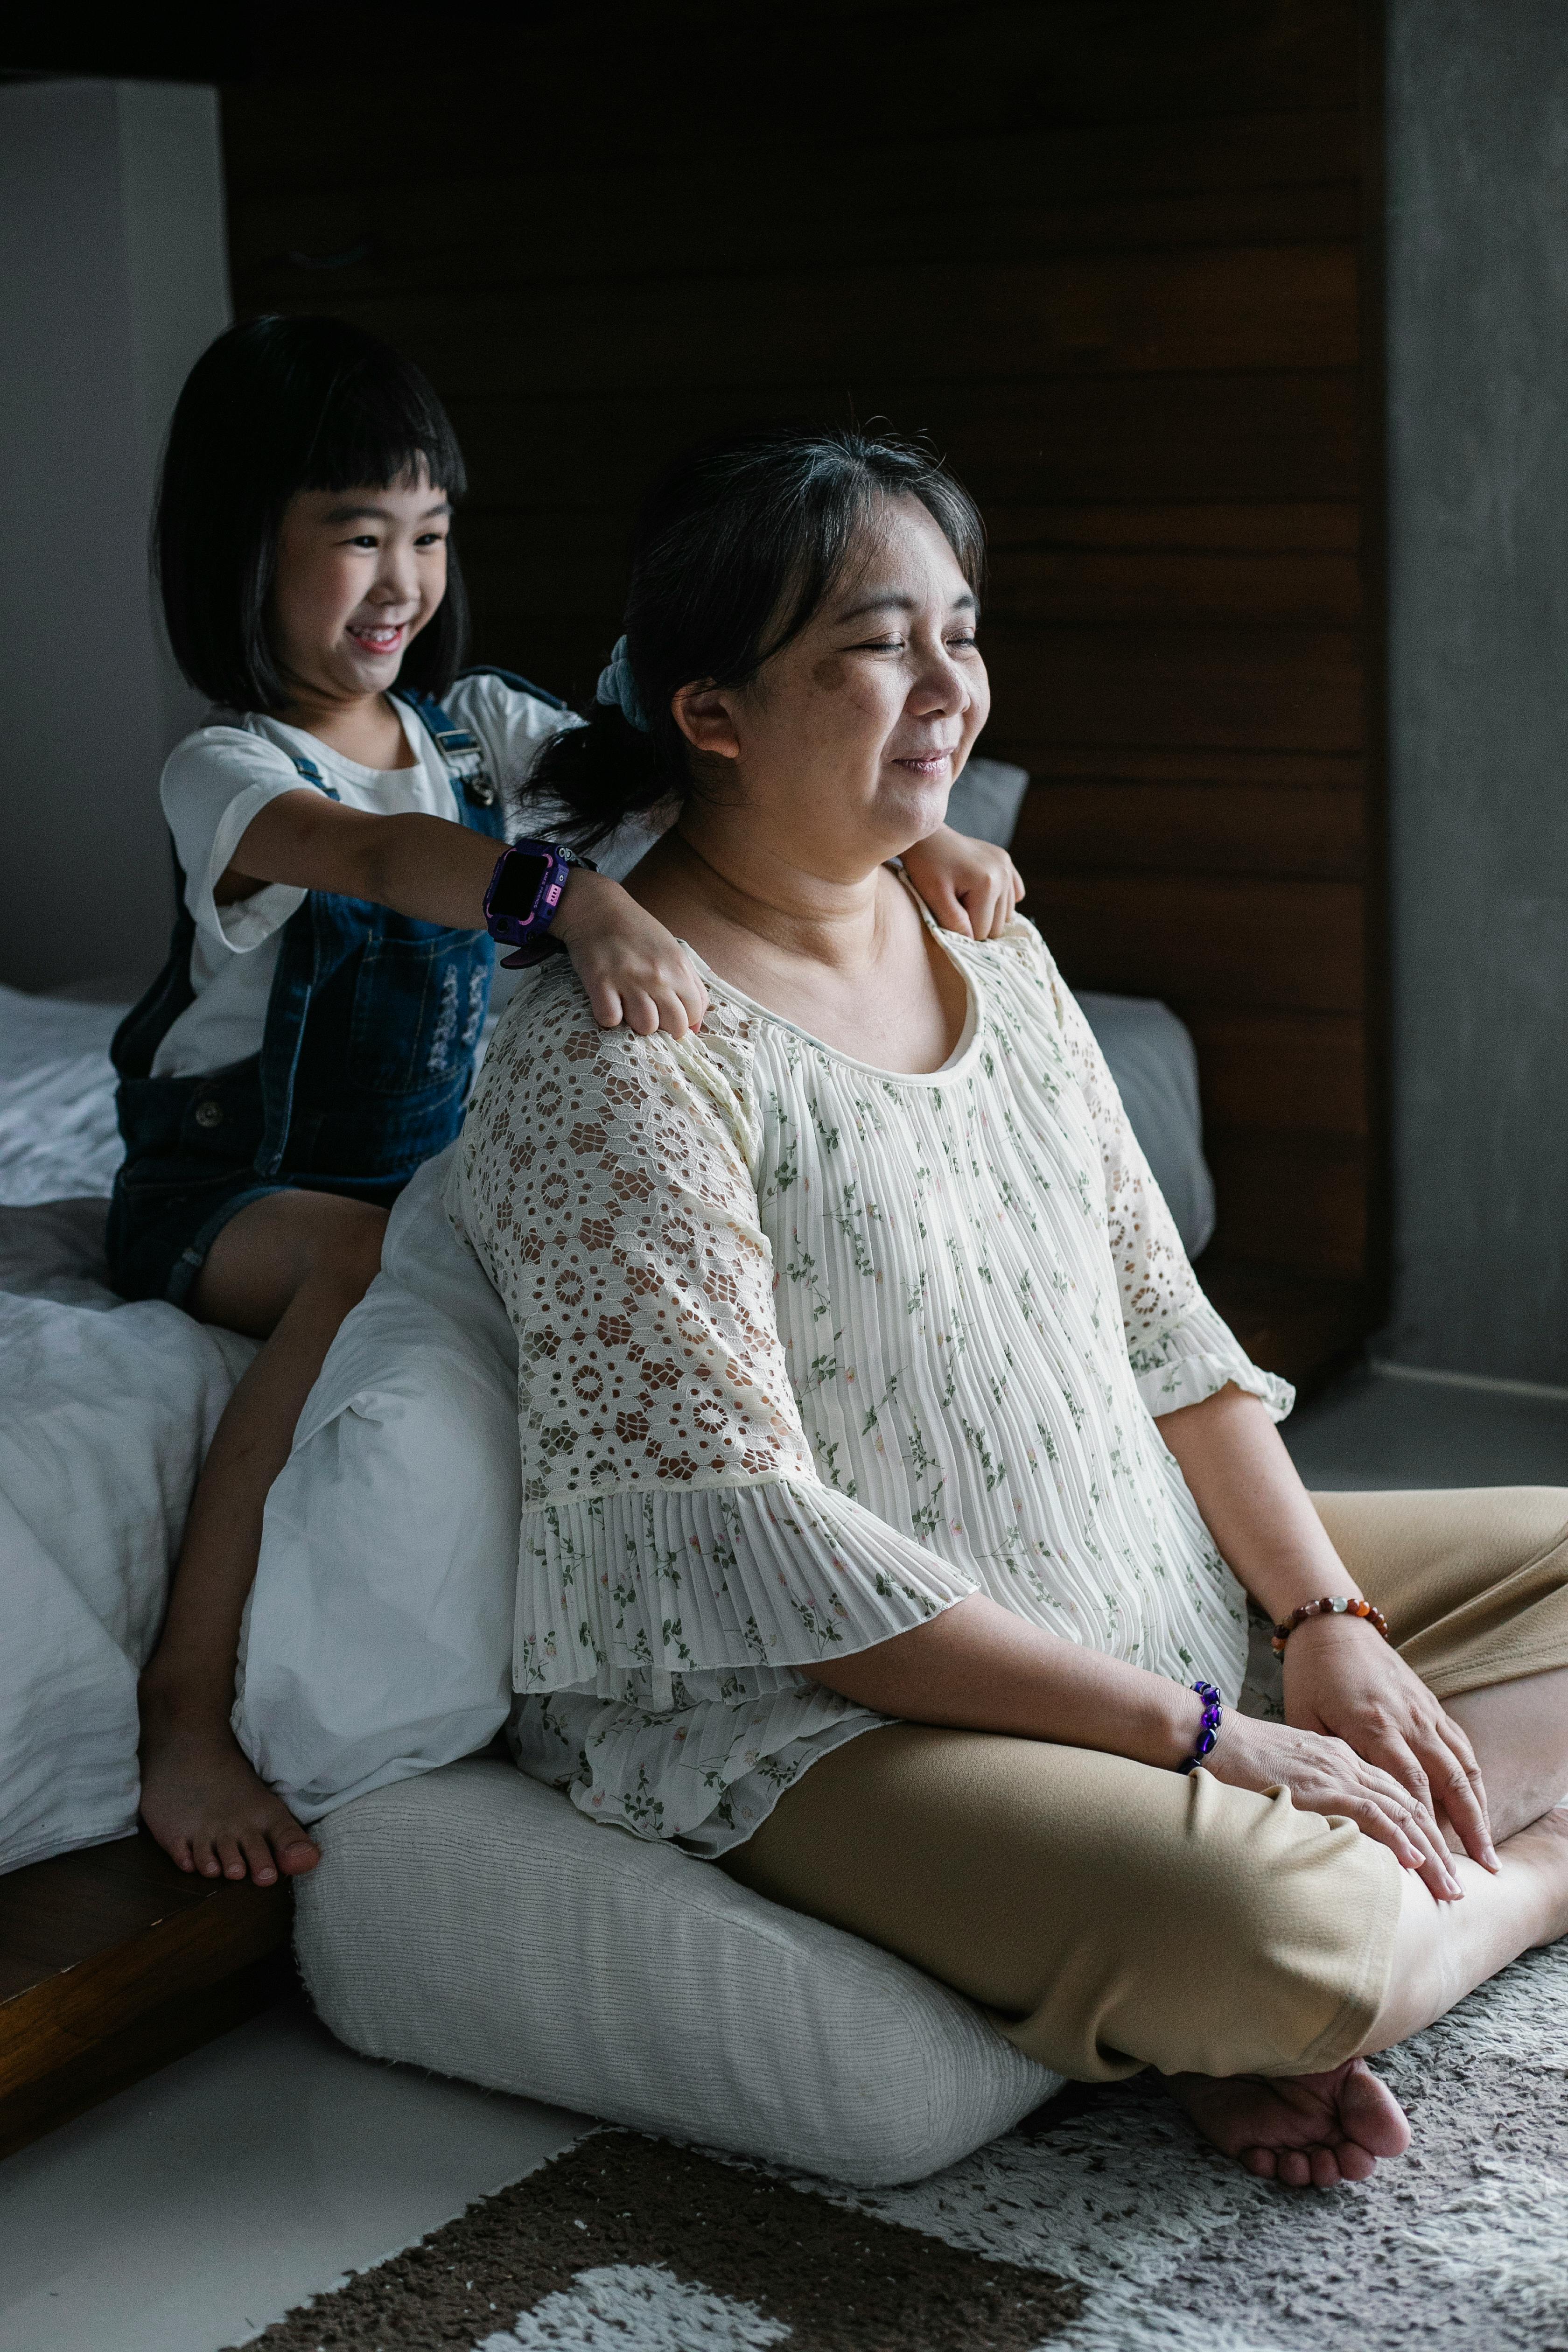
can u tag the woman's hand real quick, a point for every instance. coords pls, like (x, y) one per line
(1325, 1775)
(1340, 1677)
(633, 969)
(971, 886)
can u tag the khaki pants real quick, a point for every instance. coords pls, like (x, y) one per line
(1113, 1915)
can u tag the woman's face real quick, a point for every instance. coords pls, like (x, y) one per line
(359, 572)
(848, 740)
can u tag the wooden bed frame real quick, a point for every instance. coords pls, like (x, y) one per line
(111, 1963)
(1139, 305)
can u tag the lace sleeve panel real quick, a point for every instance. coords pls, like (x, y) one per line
(603, 1181)
(1180, 1349)
(673, 1517)
(1198, 1357)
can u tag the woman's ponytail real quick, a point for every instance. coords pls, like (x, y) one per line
(603, 773)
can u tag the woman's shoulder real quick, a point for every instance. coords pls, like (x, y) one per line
(1022, 986)
(1019, 956)
(548, 1039)
(556, 1090)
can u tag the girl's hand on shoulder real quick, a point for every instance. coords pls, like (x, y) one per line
(1325, 1775)
(1341, 1678)
(633, 969)
(971, 886)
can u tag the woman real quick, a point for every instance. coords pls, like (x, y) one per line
(873, 1421)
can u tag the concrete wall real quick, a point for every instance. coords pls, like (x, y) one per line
(1477, 184)
(113, 276)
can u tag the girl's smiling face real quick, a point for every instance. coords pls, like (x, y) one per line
(359, 574)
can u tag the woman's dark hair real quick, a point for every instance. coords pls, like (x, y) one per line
(736, 547)
(271, 407)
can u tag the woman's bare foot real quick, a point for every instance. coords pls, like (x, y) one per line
(205, 1806)
(1305, 2130)
(1544, 1843)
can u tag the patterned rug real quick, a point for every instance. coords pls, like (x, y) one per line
(1101, 2225)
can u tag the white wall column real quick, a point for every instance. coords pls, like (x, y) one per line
(1477, 374)
(114, 276)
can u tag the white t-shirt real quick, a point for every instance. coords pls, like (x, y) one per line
(219, 779)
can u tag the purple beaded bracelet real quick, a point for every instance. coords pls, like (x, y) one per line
(1209, 1730)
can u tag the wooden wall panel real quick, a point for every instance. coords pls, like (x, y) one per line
(1202, 942)
(1127, 294)
(1185, 439)
(1299, 1205)
(632, 84)
(1088, 314)
(531, 227)
(1216, 687)
(1061, 581)
(1278, 1073)
(1114, 829)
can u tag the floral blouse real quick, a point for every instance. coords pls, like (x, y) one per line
(808, 1351)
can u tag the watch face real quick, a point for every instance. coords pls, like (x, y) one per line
(516, 891)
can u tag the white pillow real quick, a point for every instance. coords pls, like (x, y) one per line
(378, 1638)
(985, 799)
(105, 1413)
(474, 1922)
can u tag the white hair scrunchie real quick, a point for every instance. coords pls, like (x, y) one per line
(618, 688)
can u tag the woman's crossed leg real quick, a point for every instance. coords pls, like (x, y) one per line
(1113, 1915)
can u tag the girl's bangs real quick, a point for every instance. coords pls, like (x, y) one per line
(376, 432)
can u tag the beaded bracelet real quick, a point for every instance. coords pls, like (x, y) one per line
(1209, 1730)
(1340, 1606)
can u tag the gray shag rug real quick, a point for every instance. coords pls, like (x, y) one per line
(1101, 2225)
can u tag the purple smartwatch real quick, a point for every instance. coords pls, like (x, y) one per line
(525, 893)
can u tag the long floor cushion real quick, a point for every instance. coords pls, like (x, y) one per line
(470, 1921)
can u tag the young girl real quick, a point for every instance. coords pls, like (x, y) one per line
(343, 867)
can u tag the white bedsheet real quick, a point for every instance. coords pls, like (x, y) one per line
(106, 1411)
(57, 1136)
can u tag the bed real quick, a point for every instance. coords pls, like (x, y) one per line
(111, 1962)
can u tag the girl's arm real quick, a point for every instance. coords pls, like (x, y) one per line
(971, 886)
(437, 872)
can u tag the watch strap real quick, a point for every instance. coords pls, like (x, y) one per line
(526, 931)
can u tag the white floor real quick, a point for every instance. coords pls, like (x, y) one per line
(195, 2210)
(190, 2212)
(1389, 1430)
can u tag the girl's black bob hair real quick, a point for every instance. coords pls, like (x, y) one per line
(736, 547)
(274, 406)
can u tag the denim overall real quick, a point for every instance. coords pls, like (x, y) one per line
(366, 1061)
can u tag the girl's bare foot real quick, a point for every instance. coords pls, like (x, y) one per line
(205, 1806)
(1305, 2130)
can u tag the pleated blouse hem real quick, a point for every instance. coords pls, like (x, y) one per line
(772, 1574)
(1192, 1380)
